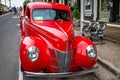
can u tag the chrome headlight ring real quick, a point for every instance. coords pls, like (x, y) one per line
(91, 52)
(33, 53)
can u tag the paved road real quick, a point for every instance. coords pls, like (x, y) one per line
(9, 44)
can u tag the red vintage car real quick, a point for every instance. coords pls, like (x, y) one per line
(49, 47)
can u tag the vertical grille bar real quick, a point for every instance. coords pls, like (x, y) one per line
(62, 63)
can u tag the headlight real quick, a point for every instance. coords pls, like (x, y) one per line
(91, 51)
(33, 53)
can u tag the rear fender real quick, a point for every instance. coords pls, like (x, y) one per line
(44, 60)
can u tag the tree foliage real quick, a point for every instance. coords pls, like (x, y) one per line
(26, 1)
(76, 13)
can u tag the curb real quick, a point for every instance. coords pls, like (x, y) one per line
(111, 40)
(109, 66)
(4, 14)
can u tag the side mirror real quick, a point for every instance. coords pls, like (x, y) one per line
(26, 17)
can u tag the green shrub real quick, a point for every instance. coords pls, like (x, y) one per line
(26, 1)
(118, 18)
(76, 13)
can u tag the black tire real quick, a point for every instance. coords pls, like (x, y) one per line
(91, 38)
(101, 38)
(24, 78)
(83, 34)
(22, 69)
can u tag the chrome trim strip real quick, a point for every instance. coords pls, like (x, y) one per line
(54, 58)
(54, 66)
(66, 57)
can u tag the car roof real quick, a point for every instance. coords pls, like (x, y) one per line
(34, 5)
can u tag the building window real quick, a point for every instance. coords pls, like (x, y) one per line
(119, 7)
(87, 4)
(105, 10)
(88, 9)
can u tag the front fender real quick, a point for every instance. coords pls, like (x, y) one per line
(82, 60)
(44, 60)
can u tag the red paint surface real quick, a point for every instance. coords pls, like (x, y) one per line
(48, 36)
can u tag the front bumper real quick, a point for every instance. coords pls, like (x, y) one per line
(59, 75)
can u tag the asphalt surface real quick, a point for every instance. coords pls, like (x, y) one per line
(9, 47)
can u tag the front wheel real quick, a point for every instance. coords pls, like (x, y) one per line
(91, 38)
(101, 38)
(21, 75)
(22, 68)
(83, 34)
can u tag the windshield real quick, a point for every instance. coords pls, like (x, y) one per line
(50, 14)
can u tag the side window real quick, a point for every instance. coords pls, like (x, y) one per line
(27, 12)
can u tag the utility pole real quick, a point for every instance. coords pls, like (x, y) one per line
(10, 3)
(82, 15)
(5, 2)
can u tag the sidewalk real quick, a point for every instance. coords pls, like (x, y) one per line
(113, 34)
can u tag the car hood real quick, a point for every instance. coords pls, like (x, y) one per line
(57, 34)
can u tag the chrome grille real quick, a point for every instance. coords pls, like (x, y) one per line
(63, 61)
